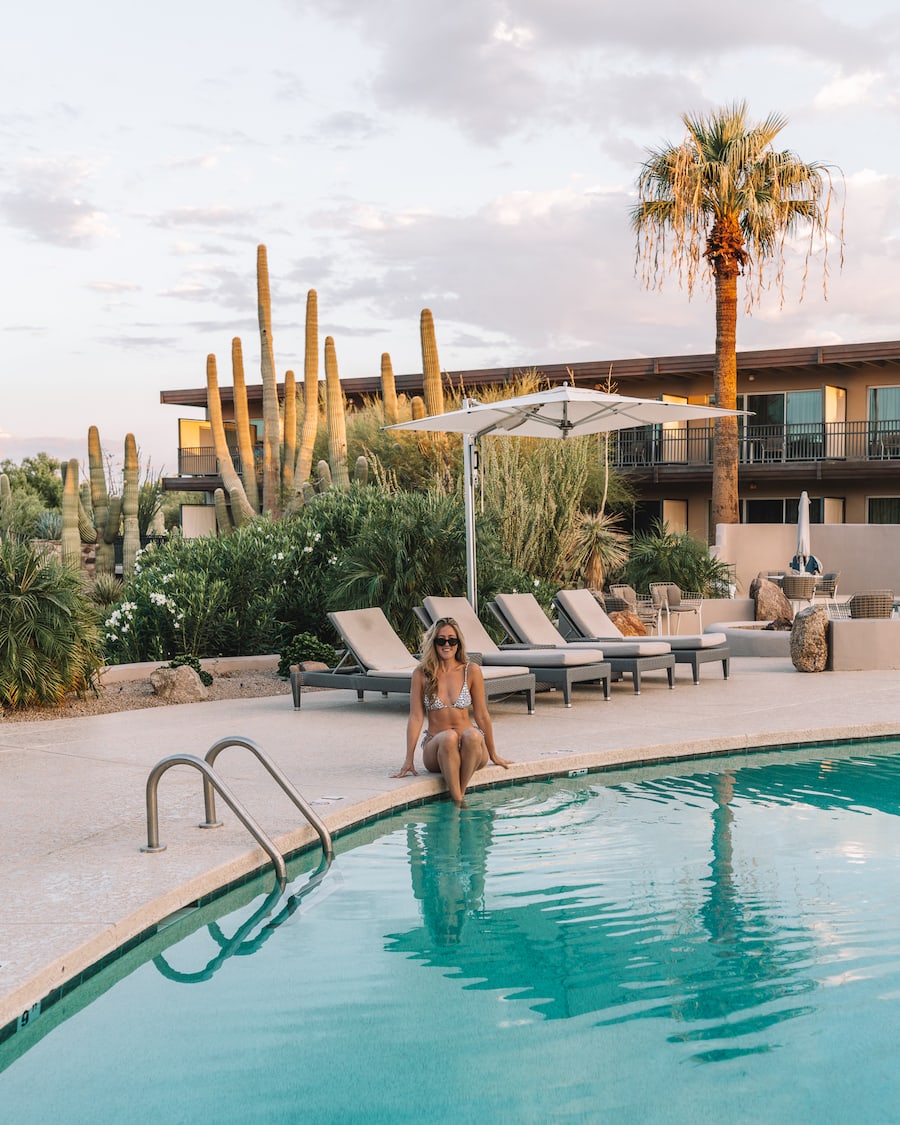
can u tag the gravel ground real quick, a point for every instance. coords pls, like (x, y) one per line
(134, 694)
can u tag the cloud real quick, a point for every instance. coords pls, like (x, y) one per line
(46, 202)
(216, 215)
(862, 88)
(113, 286)
(498, 67)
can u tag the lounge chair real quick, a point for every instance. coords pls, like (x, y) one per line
(549, 666)
(375, 659)
(581, 618)
(522, 617)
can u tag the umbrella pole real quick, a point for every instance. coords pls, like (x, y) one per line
(470, 456)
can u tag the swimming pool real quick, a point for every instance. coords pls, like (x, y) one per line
(692, 942)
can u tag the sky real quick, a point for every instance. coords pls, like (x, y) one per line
(477, 158)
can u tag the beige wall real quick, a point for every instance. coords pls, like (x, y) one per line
(197, 520)
(867, 555)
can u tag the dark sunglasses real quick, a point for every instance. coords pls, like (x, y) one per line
(445, 641)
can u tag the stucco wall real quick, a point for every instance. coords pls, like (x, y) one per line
(867, 555)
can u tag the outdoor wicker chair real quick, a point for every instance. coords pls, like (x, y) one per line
(872, 603)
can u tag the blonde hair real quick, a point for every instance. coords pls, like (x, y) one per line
(430, 659)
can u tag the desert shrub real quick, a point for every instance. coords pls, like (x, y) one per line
(660, 555)
(105, 591)
(49, 640)
(304, 646)
(191, 662)
(19, 514)
(40, 475)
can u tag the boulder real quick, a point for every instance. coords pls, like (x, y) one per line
(771, 604)
(809, 639)
(629, 624)
(178, 685)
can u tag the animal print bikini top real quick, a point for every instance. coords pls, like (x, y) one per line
(462, 702)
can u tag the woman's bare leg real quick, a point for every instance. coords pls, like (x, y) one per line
(473, 755)
(442, 755)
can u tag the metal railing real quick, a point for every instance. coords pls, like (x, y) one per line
(760, 444)
(201, 460)
(212, 783)
(687, 445)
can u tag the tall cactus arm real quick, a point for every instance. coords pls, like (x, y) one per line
(289, 444)
(71, 538)
(130, 530)
(431, 367)
(337, 428)
(310, 427)
(230, 478)
(389, 391)
(271, 419)
(245, 435)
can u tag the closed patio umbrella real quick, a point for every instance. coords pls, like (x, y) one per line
(804, 560)
(559, 412)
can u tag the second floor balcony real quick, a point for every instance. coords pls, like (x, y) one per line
(852, 447)
(656, 446)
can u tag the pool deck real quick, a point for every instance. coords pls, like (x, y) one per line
(76, 886)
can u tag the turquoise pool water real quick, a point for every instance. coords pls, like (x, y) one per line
(713, 941)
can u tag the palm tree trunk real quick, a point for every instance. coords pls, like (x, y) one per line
(725, 431)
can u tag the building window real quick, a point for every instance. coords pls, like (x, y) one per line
(884, 509)
(884, 404)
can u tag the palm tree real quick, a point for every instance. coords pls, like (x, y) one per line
(729, 201)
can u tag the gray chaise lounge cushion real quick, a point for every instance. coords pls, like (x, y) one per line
(525, 612)
(478, 639)
(591, 620)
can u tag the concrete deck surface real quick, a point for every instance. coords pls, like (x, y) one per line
(75, 885)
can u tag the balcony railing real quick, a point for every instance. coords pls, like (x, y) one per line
(200, 461)
(691, 445)
(770, 444)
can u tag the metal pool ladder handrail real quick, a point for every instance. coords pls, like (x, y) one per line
(211, 783)
(239, 740)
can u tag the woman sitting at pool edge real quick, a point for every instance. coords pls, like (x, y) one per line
(445, 686)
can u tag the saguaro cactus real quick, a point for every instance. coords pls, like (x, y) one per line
(310, 426)
(223, 520)
(431, 367)
(130, 530)
(271, 421)
(245, 435)
(337, 429)
(289, 442)
(71, 536)
(105, 559)
(243, 511)
(389, 391)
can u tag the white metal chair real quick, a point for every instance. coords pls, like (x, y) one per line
(671, 600)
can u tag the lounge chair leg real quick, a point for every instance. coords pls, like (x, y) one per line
(296, 688)
(670, 671)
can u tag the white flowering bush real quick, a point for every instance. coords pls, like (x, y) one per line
(255, 590)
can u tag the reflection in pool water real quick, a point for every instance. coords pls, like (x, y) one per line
(660, 945)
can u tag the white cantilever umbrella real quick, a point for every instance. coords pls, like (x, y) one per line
(559, 412)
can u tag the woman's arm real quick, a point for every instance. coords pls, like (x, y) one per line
(414, 724)
(482, 715)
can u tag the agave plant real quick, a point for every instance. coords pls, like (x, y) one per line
(597, 545)
(49, 640)
(48, 525)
